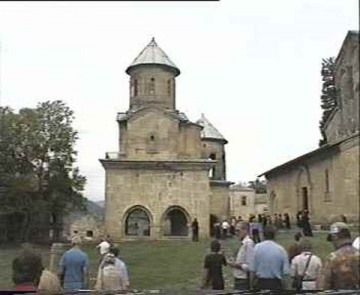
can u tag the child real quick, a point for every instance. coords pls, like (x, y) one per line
(213, 267)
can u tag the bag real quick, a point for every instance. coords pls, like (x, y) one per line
(298, 279)
(297, 283)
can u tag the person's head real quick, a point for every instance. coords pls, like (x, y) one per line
(215, 246)
(76, 241)
(243, 228)
(297, 236)
(27, 267)
(109, 259)
(305, 245)
(339, 232)
(269, 233)
(115, 251)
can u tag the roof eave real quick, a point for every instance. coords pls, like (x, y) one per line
(175, 70)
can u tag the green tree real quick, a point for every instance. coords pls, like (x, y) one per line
(328, 94)
(37, 157)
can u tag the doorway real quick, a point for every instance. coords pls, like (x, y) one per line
(305, 198)
(175, 223)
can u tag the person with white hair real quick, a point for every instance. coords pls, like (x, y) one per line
(74, 267)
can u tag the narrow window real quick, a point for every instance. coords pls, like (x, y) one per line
(243, 200)
(152, 137)
(169, 87)
(135, 87)
(152, 86)
(327, 181)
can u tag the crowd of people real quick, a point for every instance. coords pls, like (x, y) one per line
(259, 263)
(29, 274)
(266, 265)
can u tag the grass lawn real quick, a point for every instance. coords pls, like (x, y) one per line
(175, 265)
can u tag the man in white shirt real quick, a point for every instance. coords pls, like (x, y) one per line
(306, 258)
(244, 259)
(104, 248)
(224, 228)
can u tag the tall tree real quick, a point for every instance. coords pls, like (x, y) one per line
(328, 94)
(37, 157)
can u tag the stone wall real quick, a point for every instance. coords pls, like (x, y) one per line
(219, 200)
(156, 191)
(327, 199)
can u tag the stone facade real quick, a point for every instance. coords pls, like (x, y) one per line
(244, 202)
(158, 181)
(326, 181)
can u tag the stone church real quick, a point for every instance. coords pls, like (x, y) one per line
(168, 170)
(325, 181)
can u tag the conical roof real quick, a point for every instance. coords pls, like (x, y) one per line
(209, 131)
(153, 54)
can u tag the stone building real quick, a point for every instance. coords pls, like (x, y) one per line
(244, 201)
(168, 170)
(326, 180)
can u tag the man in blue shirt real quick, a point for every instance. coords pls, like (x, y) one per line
(74, 267)
(271, 263)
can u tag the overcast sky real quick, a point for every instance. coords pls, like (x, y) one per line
(251, 66)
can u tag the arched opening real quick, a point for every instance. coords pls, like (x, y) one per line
(175, 222)
(212, 156)
(137, 222)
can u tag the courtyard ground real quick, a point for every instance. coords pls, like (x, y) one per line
(175, 265)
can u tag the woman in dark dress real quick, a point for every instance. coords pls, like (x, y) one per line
(213, 268)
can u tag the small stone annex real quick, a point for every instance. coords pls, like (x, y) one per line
(168, 170)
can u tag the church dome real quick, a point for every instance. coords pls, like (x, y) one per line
(152, 54)
(209, 131)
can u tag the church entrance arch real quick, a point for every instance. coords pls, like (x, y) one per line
(175, 222)
(137, 222)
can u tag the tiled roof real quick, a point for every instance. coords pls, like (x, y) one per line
(153, 54)
(209, 131)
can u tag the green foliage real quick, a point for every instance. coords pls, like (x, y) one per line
(329, 94)
(36, 163)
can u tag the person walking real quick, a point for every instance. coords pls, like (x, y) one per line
(341, 269)
(306, 224)
(213, 264)
(104, 248)
(305, 267)
(244, 258)
(195, 230)
(287, 221)
(74, 267)
(109, 276)
(270, 264)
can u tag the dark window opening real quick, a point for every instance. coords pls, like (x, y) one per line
(152, 137)
(212, 156)
(89, 233)
(243, 201)
(327, 187)
(152, 86)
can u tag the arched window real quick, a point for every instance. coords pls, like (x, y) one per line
(212, 170)
(152, 86)
(137, 223)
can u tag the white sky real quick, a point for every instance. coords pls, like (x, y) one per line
(251, 66)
